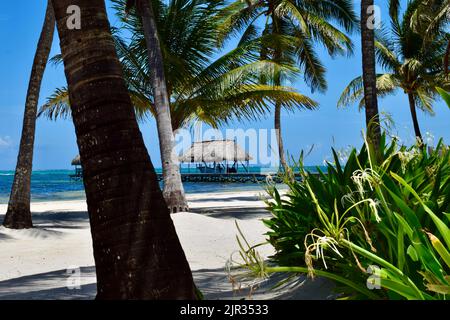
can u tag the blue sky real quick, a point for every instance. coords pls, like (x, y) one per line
(20, 24)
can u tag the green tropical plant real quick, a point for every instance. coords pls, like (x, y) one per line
(289, 30)
(412, 57)
(392, 217)
(200, 88)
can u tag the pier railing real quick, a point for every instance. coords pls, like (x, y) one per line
(231, 177)
(240, 177)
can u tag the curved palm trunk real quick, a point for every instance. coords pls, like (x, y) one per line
(281, 153)
(136, 249)
(18, 215)
(173, 187)
(370, 77)
(412, 107)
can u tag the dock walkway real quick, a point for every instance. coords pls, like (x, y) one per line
(230, 177)
(241, 177)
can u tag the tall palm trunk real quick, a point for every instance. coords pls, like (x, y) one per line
(370, 77)
(412, 107)
(18, 215)
(136, 249)
(446, 59)
(277, 81)
(173, 187)
(283, 162)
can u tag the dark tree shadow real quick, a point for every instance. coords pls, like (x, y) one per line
(228, 199)
(215, 284)
(232, 212)
(55, 285)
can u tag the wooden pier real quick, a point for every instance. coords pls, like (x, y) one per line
(216, 161)
(230, 177)
(217, 177)
(78, 175)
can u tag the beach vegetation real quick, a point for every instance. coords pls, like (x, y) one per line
(367, 224)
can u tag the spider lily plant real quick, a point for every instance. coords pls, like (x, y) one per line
(391, 216)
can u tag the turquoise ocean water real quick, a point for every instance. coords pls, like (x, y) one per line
(56, 185)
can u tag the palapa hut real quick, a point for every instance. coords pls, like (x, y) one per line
(215, 156)
(78, 171)
(76, 161)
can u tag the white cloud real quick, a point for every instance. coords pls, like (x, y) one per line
(5, 142)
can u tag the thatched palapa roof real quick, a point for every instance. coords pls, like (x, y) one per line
(215, 151)
(76, 161)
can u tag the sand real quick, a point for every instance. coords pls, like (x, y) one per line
(54, 260)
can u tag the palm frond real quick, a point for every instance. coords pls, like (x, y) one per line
(57, 106)
(312, 67)
(245, 102)
(56, 60)
(386, 57)
(238, 16)
(354, 92)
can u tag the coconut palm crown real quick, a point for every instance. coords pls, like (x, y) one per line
(202, 84)
(411, 52)
(290, 30)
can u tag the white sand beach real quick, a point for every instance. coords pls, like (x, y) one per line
(36, 263)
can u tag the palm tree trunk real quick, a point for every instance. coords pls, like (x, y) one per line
(446, 59)
(412, 107)
(370, 77)
(277, 81)
(283, 162)
(136, 249)
(173, 187)
(18, 215)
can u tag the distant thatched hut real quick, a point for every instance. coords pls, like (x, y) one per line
(76, 161)
(219, 153)
(78, 170)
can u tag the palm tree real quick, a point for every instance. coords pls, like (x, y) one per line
(212, 91)
(200, 88)
(369, 77)
(137, 252)
(412, 58)
(290, 29)
(18, 215)
(173, 187)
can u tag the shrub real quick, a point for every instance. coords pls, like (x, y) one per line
(390, 218)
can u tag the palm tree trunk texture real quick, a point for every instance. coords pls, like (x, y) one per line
(173, 187)
(412, 107)
(283, 162)
(136, 249)
(18, 215)
(369, 77)
(277, 82)
(446, 59)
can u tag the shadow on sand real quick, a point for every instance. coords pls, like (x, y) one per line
(232, 213)
(50, 286)
(227, 199)
(59, 220)
(214, 284)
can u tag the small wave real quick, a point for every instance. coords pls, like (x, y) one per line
(6, 174)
